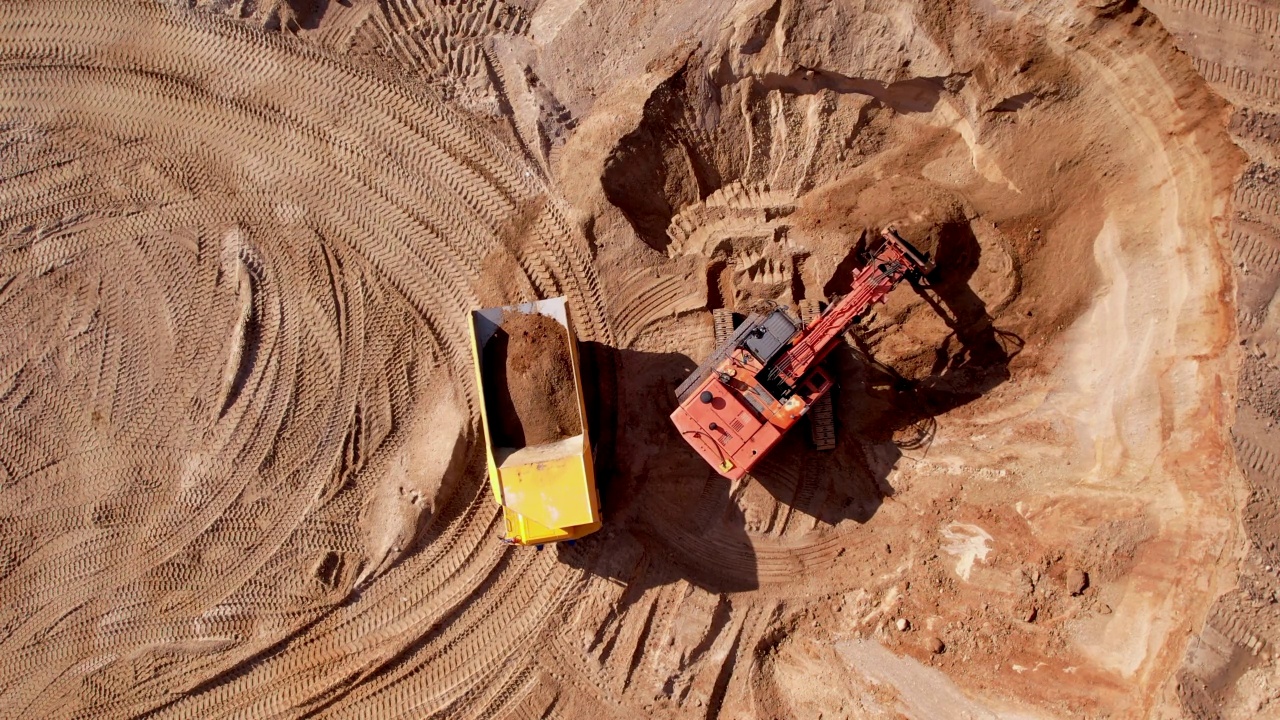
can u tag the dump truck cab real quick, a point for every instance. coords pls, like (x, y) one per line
(547, 492)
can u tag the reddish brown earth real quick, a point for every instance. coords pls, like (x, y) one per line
(533, 400)
(241, 468)
(1230, 669)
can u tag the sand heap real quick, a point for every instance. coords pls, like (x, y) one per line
(532, 398)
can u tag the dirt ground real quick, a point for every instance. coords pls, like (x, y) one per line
(532, 398)
(1230, 667)
(241, 470)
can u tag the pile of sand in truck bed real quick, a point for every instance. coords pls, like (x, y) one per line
(529, 382)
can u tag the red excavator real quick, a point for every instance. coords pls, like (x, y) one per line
(760, 381)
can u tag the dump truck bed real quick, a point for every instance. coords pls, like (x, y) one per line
(547, 492)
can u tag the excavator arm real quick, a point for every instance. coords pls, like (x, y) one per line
(894, 260)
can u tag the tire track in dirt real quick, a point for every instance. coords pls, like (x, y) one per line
(1263, 89)
(482, 168)
(417, 285)
(1257, 459)
(1246, 15)
(1258, 254)
(138, 436)
(357, 206)
(1259, 201)
(735, 209)
(320, 669)
(774, 562)
(445, 38)
(644, 300)
(469, 652)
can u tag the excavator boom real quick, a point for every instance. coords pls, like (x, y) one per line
(895, 259)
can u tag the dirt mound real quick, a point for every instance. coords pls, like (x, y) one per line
(532, 399)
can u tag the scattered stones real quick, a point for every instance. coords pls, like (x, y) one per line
(903, 624)
(1030, 616)
(935, 645)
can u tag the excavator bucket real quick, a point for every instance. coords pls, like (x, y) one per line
(922, 261)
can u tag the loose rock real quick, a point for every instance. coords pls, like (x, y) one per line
(1077, 581)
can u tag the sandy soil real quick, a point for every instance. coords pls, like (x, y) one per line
(1230, 669)
(241, 470)
(532, 400)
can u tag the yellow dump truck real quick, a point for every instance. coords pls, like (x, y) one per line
(547, 492)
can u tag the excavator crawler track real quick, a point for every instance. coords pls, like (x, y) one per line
(822, 416)
(722, 324)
